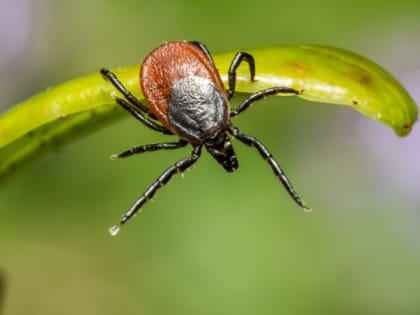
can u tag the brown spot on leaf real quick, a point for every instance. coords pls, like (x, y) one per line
(360, 75)
(299, 67)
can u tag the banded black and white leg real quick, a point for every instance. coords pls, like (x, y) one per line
(278, 171)
(150, 148)
(245, 104)
(163, 179)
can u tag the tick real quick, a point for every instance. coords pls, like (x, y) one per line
(186, 98)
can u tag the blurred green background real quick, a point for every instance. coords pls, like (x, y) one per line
(213, 242)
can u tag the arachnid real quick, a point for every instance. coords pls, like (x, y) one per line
(186, 98)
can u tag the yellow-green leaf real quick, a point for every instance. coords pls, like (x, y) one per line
(330, 75)
(324, 74)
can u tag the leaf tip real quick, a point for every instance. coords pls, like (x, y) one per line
(405, 130)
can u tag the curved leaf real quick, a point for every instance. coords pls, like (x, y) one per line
(331, 75)
(324, 74)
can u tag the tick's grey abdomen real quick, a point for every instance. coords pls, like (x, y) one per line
(196, 109)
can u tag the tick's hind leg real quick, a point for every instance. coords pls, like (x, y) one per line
(163, 179)
(149, 148)
(254, 142)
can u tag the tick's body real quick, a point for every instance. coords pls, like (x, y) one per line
(186, 95)
(184, 91)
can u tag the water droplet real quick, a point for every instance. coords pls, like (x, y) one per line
(307, 210)
(114, 230)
